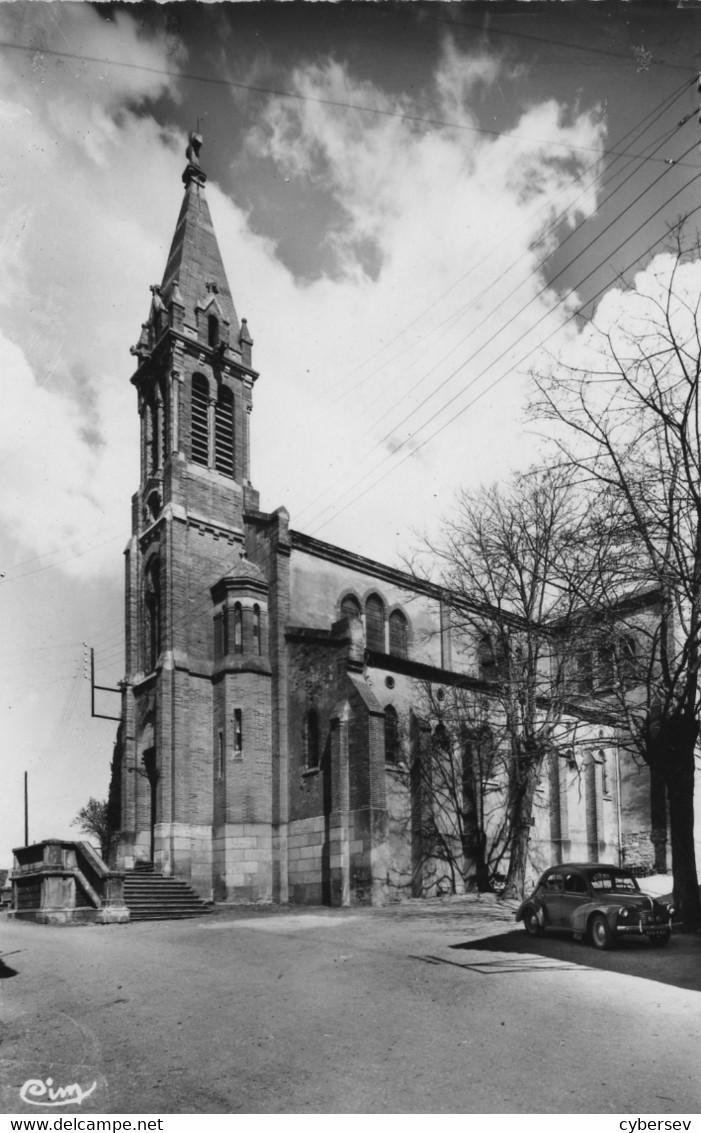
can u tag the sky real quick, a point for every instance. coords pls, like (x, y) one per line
(415, 202)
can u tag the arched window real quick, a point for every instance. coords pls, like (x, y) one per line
(238, 733)
(491, 657)
(311, 738)
(375, 624)
(398, 634)
(391, 735)
(213, 331)
(151, 440)
(257, 643)
(154, 505)
(350, 607)
(224, 433)
(153, 615)
(238, 628)
(199, 432)
(163, 438)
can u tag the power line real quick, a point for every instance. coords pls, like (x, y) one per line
(416, 119)
(202, 78)
(511, 34)
(654, 115)
(632, 157)
(533, 273)
(635, 132)
(11, 577)
(204, 604)
(545, 287)
(492, 385)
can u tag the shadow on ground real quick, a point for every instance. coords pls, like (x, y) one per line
(679, 964)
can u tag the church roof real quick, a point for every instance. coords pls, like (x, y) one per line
(245, 569)
(195, 265)
(243, 575)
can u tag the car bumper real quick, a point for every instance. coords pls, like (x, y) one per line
(644, 930)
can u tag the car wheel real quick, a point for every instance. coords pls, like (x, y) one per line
(661, 940)
(600, 932)
(531, 923)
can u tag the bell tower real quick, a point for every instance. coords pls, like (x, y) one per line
(186, 722)
(194, 377)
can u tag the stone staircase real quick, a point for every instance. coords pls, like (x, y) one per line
(150, 896)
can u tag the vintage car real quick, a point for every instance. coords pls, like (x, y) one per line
(601, 901)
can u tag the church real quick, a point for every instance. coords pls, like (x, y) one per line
(273, 707)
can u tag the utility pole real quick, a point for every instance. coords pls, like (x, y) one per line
(93, 686)
(26, 810)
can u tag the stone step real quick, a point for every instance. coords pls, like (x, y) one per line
(150, 896)
(158, 888)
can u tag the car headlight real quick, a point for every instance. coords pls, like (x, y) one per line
(671, 910)
(624, 911)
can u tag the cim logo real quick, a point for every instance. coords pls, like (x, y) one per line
(38, 1092)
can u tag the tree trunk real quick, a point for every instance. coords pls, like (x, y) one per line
(680, 792)
(671, 752)
(484, 884)
(527, 775)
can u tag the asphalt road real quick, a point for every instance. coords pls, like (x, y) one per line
(431, 1007)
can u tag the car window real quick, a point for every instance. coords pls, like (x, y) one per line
(575, 883)
(554, 883)
(601, 882)
(609, 882)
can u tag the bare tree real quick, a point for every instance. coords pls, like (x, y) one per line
(461, 771)
(93, 820)
(504, 565)
(630, 424)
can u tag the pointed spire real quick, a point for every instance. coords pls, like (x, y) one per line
(195, 261)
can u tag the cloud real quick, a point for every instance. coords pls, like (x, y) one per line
(79, 256)
(432, 237)
(458, 220)
(637, 322)
(642, 341)
(449, 220)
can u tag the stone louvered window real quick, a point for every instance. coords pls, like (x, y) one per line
(224, 433)
(151, 439)
(199, 433)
